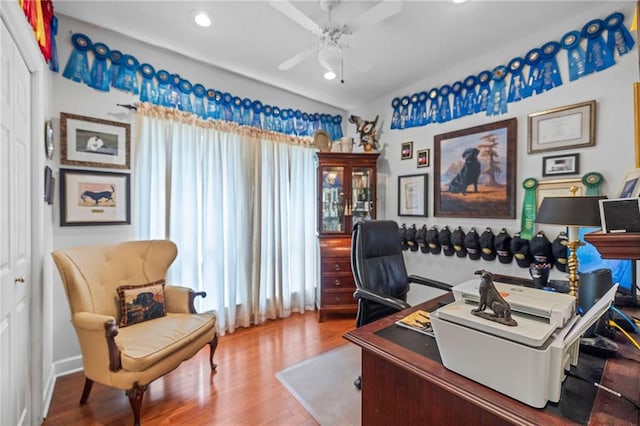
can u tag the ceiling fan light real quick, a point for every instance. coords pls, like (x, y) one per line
(329, 75)
(202, 19)
(330, 57)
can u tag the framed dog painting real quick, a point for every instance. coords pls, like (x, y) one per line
(475, 171)
(94, 198)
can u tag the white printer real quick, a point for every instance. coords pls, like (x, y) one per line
(525, 362)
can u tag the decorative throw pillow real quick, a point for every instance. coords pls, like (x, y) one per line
(141, 302)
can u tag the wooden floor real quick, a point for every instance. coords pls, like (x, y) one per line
(243, 390)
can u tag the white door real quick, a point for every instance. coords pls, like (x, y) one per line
(15, 237)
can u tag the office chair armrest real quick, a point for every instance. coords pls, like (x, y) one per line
(389, 301)
(429, 282)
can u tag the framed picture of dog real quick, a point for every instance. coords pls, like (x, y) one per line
(475, 171)
(94, 198)
(93, 142)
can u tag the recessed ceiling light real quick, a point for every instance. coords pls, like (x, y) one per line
(202, 19)
(329, 75)
(459, 1)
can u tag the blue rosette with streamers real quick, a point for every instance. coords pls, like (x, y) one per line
(277, 121)
(337, 127)
(126, 79)
(268, 117)
(413, 115)
(576, 57)
(497, 102)
(316, 122)
(306, 125)
(53, 62)
(164, 88)
(598, 55)
(77, 68)
(285, 118)
(484, 88)
(115, 57)
(246, 112)
(174, 91)
(470, 94)
(404, 111)
(458, 109)
(214, 104)
(236, 110)
(324, 123)
(148, 91)
(422, 108)
(199, 92)
(227, 102)
(619, 38)
(445, 105)
(534, 81)
(517, 85)
(550, 73)
(434, 107)
(256, 121)
(298, 123)
(395, 118)
(186, 88)
(100, 78)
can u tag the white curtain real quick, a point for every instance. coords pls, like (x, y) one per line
(240, 205)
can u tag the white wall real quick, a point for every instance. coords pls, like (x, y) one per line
(612, 156)
(76, 98)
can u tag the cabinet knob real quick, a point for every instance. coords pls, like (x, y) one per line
(337, 266)
(337, 282)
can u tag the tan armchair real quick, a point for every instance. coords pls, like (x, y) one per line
(130, 357)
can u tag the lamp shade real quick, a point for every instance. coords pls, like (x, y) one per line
(570, 211)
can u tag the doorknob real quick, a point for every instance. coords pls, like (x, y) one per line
(19, 280)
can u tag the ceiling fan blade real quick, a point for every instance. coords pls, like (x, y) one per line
(295, 60)
(293, 13)
(378, 13)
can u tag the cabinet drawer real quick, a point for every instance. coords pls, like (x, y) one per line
(333, 265)
(337, 282)
(341, 297)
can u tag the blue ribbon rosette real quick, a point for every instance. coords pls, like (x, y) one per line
(458, 109)
(404, 111)
(77, 68)
(268, 117)
(497, 100)
(422, 108)
(53, 62)
(236, 110)
(246, 112)
(148, 91)
(186, 88)
(285, 118)
(434, 107)
(100, 78)
(227, 101)
(484, 88)
(174, 90)
(337, 127)
(413, 115)
(550, 73)
(618, 37)
(470, 94)
(324, 123)
(214, 99)
(395, 118)
(575, 54)
(277, 121)
(164, 88)
(534, 81)
(126, 79)
(517, 85)
(199, 92)
(445, 106)
(316, 121)
(256, 106)
(298, 123)
(116, 57)
(598, 55)
(307, 124)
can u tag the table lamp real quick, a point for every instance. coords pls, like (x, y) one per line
(572, 212)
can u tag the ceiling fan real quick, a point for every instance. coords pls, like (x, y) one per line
(330, 49)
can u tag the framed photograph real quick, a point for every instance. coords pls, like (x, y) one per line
(423, 158)
(475, 171)
(412, 195)
(636, 120)
(94, 198)
(558, 165)
(558, 188)
(630, 186)
(572, 126)
(93, 142)
(406, 151)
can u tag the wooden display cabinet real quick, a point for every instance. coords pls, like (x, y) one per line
(346, 194)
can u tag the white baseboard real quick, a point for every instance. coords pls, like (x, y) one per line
(59, 369)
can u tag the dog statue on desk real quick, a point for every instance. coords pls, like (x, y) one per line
(490, 298)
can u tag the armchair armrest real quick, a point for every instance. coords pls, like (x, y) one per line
(181, 299)
(391, 302)
(429, 282)
(98, 332)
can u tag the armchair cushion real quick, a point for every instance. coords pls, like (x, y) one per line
(141, 302)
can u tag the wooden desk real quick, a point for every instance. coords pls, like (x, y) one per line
(401, 386)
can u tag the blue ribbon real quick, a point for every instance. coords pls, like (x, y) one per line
(199, 92)
(550, 74)
(213, 104)
(306, 125)
(287, 127)
(164, 88)
(186, 88)
(413, 117)
(299, 125)
(227, 101)
(445, 107)
(534, 82)
(434, 106)
(53, 62)
(618, 37)
(497, 101)
(277, 120)
(316, 121)
(404, 112)
(395, 118)
(174, 91)
(148, 91)
(126, 79)
(575, 54)
(268, 117)
(337, 127)
(100, 78)
(256, 107)
(517, 86)
(246, 112)
(598, 55)
(484, 88)
(459, 109)
(77, 68)
(116, 57)
(470, 94)
(423, 116)
(236, 110)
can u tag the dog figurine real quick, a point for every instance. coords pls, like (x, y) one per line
(490, 298)
(468, 174)
(97, 196)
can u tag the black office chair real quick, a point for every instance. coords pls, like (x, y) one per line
(379, 272)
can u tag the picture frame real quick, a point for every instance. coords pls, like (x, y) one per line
(568, 127)
(558, 165)
(423, 158)
(636, 120)
(558, 188)
(406, 151)
(630, 185)
(412, 195)
(90, 198)
(94, 142)
(461, 189)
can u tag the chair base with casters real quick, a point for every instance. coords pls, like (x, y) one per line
(379, 272)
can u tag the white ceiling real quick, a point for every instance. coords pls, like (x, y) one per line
(252, 38)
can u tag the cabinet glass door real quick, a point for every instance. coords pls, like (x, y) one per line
(361, 197)
(333, 199)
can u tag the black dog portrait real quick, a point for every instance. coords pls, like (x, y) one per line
(468, 174)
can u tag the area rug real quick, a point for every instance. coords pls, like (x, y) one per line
(324, 385)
